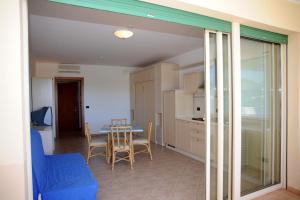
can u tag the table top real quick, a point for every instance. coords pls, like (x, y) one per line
(106, 129)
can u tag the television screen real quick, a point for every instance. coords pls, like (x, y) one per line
(42, 117)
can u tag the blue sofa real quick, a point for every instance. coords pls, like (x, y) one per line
(62, 176)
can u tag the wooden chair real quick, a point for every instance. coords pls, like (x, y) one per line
(121, 142)
(96, 142)
(143, 141)
(119, 122)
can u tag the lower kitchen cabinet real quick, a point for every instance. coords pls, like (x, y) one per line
(190, 137)
(182, 135)
(197, 140)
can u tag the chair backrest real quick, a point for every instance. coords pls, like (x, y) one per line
(119, 122)
(87, 132)
(121, 136)
(39, 162)
(149, 130)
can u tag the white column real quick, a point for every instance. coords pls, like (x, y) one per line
(293, 113)
(236, 89)
(207, 108)
(283, 114)
(15, 162)
(220, 90)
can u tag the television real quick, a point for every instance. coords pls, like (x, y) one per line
(42, 116)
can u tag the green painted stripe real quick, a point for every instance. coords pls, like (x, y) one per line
(153, 11)
(264, 35)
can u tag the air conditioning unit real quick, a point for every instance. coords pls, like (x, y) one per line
(68, 68)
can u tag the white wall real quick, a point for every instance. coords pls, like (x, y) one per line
(278, 15)
(42, 92)
(15, 170)
(106, 90)
(293, 137)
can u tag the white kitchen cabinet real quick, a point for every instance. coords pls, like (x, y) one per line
(197, 140)
(169, 118)
(144, 104)
(146, 91)
(192, 81)
(190, 137)
(176, 103)
(182, 135)
(138, 115)
(178, 133)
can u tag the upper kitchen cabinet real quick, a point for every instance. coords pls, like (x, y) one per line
(146, 94)
(193, 81)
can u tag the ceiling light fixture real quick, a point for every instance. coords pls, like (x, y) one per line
(123, 34)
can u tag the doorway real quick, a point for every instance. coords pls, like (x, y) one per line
(69, 113)
(219, 156)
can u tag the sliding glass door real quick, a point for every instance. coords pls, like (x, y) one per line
(261, 109)
(218, 122)
(262, 114)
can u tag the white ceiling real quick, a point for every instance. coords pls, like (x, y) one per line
(59, 35)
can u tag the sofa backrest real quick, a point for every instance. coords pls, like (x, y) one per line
(39, 161)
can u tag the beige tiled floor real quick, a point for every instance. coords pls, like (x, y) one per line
(280, 195)
(169, 176)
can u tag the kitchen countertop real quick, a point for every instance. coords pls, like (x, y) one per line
(189, 119)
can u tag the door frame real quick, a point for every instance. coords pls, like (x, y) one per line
(81, 85)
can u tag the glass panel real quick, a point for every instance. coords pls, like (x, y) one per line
(214, 116)
(227, 119)
(277, 120)
(261, 115)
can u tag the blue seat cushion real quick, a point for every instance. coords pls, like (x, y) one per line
(60, 177)
(69, 177)
(39, 161)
